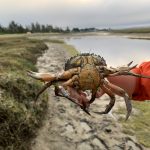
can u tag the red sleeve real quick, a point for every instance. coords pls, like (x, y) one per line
(142, 91)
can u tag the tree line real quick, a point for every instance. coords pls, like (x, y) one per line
(14, 27)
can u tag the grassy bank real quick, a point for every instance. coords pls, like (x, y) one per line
(69, 48)
(133, 30)
(139, 123)
(19, 119)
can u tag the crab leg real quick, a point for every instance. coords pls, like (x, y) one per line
(130, 73)
(119, 91)
(124, 70)
(93, 96)
(48, 84)
(112, 100)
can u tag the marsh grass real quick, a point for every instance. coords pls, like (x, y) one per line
(70, 49)
(133, 30)
(19, 118)
(139, 123)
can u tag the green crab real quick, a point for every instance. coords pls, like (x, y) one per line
(87, 72)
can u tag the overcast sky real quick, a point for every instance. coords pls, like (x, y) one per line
(77, 13)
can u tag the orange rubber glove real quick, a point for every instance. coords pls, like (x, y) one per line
(142, 90)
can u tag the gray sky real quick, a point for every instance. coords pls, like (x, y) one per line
(76, 13)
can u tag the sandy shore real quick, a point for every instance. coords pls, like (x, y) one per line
(67, 127)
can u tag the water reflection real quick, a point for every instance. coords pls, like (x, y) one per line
(115, 49)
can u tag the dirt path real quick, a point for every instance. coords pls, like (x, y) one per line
(69, 128)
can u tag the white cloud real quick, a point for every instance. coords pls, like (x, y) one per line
(81, 13)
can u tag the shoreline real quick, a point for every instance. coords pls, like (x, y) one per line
(144, 36)
(62, 35)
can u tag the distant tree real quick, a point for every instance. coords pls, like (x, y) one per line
(13, 27)
(37, 27)
(75, 30)
(33, 29)
(67, 30)
(43, 28)
(57, 29)
(21, 29)
(28, 28)
(49, 28)
(1, 29)
(88, 30)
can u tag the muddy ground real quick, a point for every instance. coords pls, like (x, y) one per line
(67, 127)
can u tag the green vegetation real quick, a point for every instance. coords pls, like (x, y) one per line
(14, 27)
(139, 123)
(70, 49)
(19, 118)
(132, 30)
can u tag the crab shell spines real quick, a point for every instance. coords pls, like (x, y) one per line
(85, 58)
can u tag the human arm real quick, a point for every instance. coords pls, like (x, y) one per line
(137, 88)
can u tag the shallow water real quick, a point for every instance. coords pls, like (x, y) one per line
(117, 50)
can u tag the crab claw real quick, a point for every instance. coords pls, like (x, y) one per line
(34, 75)
(60, 91)
(46, 77)
(123, 70)
(127, 67)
